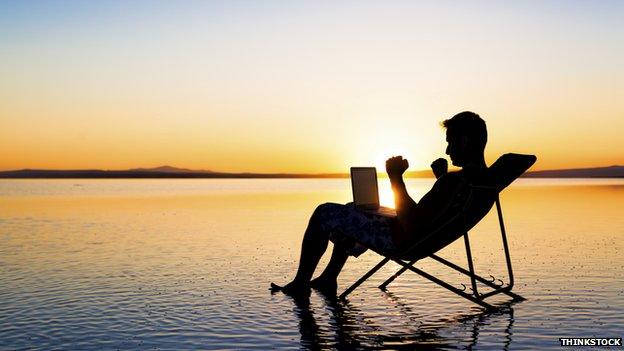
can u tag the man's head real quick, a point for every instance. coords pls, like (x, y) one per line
(466, 136)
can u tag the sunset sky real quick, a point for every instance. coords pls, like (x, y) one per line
(294, 86)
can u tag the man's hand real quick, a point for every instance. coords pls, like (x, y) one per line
(396, 166)
(439, 167)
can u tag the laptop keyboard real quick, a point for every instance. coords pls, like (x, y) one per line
(384, 211)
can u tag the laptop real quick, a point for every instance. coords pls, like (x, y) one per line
(366, 191)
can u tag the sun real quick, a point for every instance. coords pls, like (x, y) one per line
(386, 197)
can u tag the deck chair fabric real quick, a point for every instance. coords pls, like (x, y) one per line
(473, 203)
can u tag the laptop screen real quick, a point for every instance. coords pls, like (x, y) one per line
(364, 185)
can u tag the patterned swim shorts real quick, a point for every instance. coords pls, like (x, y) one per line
(356, 230)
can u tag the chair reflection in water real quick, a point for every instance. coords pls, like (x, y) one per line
(477, 202)
(354, 327)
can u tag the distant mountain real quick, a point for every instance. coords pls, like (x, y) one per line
(173, 172)
(169, 169)
(157, 172)
(596, 172)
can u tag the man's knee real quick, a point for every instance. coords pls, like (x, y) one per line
(325, 208)
(323, 213)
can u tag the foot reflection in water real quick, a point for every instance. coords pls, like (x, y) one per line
(349, 328)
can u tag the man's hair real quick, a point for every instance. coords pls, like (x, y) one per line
(468, 124)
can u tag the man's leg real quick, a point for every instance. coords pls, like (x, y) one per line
(354, 226)
(313, 247)
(327, 281)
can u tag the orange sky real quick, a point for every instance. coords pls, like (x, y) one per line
(307, 87)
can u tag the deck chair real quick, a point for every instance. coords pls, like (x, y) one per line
(473, 204)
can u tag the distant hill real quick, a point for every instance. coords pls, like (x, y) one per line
(168, 169)
(157, 172)
(173, 172)
(596, 172)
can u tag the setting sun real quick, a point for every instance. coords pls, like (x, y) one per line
(386, 197)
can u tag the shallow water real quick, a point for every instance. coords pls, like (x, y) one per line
(186, 264)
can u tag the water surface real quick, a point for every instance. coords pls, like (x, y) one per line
(175, 264)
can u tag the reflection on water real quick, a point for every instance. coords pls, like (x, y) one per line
(185, 264)
(352, 329)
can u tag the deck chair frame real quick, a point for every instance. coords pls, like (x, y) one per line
(474, 296)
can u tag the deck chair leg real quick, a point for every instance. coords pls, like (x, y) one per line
(447, 263)
(505, 246)
(363, 278)
(448, 286)
(472, 274)
(394, 276)
(507, 291)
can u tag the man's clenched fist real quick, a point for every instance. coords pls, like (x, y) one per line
(396, 166)
(439, 167)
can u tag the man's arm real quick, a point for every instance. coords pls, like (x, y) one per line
(412, 215)
(439, 199)
(405, 206)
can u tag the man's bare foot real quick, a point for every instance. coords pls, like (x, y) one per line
(293, 288)
(327, 286)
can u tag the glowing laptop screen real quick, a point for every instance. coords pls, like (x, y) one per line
(364, 184)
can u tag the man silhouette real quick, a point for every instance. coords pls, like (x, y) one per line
(466, 136)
